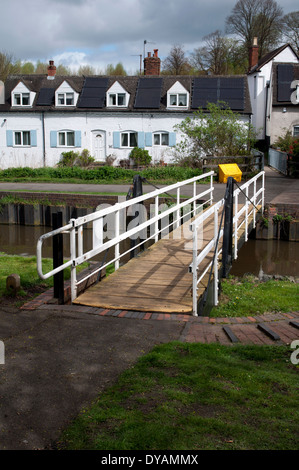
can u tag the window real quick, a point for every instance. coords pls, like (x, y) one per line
(117, 99)
(161, 138)
(296, 131)
(66, 139)
(21, 99)
(22, 138)
(129, 139)
(65, 99)
(178, 99)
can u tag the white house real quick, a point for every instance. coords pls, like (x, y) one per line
(42, 116)
(262, 82)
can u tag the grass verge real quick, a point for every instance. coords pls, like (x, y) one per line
(245, 296)
(196, 397)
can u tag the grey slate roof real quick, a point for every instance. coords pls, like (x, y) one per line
(130, 83)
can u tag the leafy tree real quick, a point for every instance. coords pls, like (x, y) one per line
(176, 62)
(117, 70)
(217, 131)
(290, 24)
(86, 70)
(7, 65)
(256, 18)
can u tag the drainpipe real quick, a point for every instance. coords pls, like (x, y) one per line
(44, 143)
(266, 113)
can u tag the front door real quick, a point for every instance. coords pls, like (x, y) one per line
(98, 146)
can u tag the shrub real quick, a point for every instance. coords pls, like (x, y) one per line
(140, 156)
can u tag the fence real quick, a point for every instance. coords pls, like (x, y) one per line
(114, 218)
(278, 160)
(246, 199)
(247, 163)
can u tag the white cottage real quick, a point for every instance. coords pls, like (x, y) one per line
(44, 115)
(263, 82)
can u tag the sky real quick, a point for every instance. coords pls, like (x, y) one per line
(102, 32)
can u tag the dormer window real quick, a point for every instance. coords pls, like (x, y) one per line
(177, 97)
(65, 99)
(21, 99)
(117, 97)
(65, 95)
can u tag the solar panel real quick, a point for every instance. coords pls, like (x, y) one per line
(93, 93)
(148, 93)
(46, 97)
(285, 76)
(211, 90)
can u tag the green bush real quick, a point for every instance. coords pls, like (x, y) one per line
(140, 156)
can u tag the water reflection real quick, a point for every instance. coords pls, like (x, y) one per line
(270, 256)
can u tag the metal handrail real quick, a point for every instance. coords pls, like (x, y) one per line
(75, 228)
(212, 246)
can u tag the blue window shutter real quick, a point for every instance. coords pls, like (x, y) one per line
(77, 138)
(172, 139)
(53, 139)
(33, 138)
(9, 138)
(140, 140)
(116, 140)
(148, 139)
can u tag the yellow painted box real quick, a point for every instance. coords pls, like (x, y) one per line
(229, 169)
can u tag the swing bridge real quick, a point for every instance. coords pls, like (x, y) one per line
(169, 250)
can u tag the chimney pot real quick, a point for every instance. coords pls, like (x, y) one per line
(51, 70)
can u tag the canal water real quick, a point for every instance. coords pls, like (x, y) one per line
(271, 256)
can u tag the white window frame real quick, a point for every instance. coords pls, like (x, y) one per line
(128, 134)
(21, 96)
(21, 144)
(65, 97)
(65, 134)
(177, 100)
(296, 132)
(160, 135)
(117, 96)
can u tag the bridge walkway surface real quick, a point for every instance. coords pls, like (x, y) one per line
(158, 279)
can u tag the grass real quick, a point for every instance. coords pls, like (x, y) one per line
(247, 296)
(197, 397)
(25, 267)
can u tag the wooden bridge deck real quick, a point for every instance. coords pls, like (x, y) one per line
(157, 280)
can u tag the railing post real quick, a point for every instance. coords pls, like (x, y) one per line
(216, 257)
(246, 215)
(73, 257)
(116, 264)
(194, 202)
(211, 190)
(194, 272)
(178, 212)
(58, 258)
(236, 226)
(254, 202)
(263, 197)
(156, 215)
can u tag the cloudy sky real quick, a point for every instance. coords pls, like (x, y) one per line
(101, 32)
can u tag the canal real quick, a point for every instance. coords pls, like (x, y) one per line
(271, 256)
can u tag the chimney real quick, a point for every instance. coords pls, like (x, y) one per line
(152, 64)
(51, 70)
(253, 54)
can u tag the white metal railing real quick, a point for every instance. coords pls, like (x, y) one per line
(114, 218)
(243, 210)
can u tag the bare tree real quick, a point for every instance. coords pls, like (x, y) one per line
(220, 55)
(176, 62)
(256, 18)
(291, 29)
